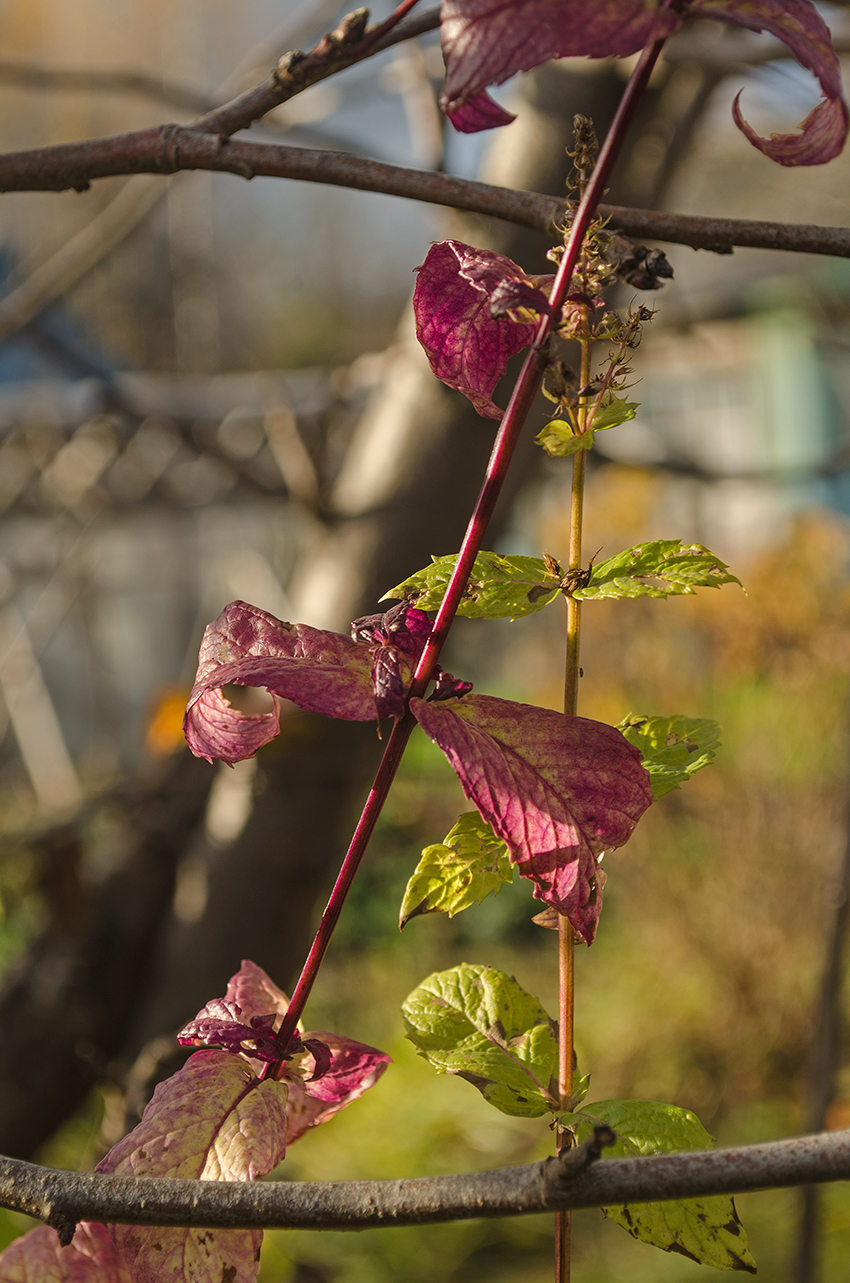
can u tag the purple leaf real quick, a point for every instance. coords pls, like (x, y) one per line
(559, 790)
(219, 1025)
(798, 25)
(254, 992)
(38, 1257)
(354, 1068)
(468, 349)
(213, 1120)
(487, 41)
(511, 294)
(319, 671)
(397, 639)
(480, 112)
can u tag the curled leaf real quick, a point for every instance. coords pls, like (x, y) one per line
(349, 1070)
(487, 41)
(321, 672)
(358, 679)
(558, 790)
(798, 25)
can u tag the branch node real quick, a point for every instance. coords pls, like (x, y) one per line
(64, 1226)
(351, 28)
(559, 1173)
(169, 156)
(287, 64)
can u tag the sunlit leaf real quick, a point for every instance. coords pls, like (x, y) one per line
(478, 1023)
(463, 869)
(661, 568)
(213, 1120)
(357, 678)
(613, 411)
(672, 748)
(558, 790)
(559, 440)
(706, 1230)
(499, 587)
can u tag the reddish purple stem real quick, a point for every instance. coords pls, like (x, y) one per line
(524, 392)
(393, 20)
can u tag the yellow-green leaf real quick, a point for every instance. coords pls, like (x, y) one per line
(460, 871)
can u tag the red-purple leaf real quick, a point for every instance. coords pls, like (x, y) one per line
(396, 638)
(326, 1074)
(221, 1025)
(468, 349)
(354, 1068)
(38, 1257)
(319, 671)
(559, 790)
(254, 992)
(487, 41)
(798, 25)
(475, 114)
(213, 1120)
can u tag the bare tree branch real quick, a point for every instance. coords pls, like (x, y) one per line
(169, 148)
(572, 1180)
(350, 43)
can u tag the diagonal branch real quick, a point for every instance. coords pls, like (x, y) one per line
(350, 43)
(572, 1180)
(169, 148)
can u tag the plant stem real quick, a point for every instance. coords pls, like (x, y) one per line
(519, 405)
(378, 33)
(566, 940)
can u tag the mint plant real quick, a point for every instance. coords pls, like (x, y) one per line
(553, 792)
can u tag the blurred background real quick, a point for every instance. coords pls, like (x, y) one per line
(209, 389)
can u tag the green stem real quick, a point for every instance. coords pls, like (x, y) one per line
(566, 940)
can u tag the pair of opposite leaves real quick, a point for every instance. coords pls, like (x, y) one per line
(217, 1118)
(487, 41)
(557, 790)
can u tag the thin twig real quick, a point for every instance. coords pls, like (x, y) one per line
(352, 42)
(170, 148)
(61, 1197)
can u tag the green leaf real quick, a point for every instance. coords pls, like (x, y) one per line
(614, 411)
(559, 440)
(499, 587)
(469, 864)
(671, 748)
(706, 1230)
(661, 568)
(479, 1023)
